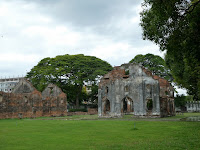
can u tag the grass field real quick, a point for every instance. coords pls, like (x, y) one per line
(89, 132)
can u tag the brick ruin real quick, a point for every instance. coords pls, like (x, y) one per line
(132, 89)
(26, 101)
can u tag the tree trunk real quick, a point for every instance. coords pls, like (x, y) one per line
(78, 95)
(77, 101)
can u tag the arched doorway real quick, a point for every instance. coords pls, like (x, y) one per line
(127, 105)
(149, 105)
(106, 109)
(124, 105)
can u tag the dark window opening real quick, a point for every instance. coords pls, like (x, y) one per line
(107, 107)
(127, 72)
(149, 104)
(127, 105)
(125, 77)
(106, 91)
(26, 99)
(124, 105)
(126, 88)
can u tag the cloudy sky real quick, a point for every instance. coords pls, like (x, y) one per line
(31, 30)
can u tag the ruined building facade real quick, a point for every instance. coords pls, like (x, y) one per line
(132, 89)
(26, 101)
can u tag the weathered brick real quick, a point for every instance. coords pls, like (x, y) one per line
(25, 101)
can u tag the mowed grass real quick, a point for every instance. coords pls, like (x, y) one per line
(98, 134)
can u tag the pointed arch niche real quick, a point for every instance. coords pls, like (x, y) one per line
(127, 105)
(149, 105)
(106, 107)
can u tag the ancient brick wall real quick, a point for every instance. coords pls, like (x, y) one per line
(92, 111)
(167, 107)
(15, 105)
(26, 101)
(54, 101)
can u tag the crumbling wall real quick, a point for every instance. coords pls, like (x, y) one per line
(167, 107)
(166, 97)
(20, 105)
(91, 111)
(128, 89)
(24, 86)
(133, 89)
(54, 101)
(26, 101)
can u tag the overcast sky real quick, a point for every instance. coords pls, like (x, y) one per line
(31, 30)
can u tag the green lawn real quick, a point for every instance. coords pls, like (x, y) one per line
(88, 132)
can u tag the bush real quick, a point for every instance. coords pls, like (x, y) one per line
(92, 106)
(180, 100)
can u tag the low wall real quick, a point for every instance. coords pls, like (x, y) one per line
(31, 105)
(91, 111)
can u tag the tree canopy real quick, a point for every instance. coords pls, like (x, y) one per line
(180, 100)
(155, 64)
(69, 72)
(175, 26)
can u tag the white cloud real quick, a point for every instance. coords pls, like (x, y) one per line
(32, 30)
(58, 35)
(180, 91)
(10, 57)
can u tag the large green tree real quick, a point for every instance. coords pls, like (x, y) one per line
(175, 26)
(180, 100)
(69, 72)
(155, 64)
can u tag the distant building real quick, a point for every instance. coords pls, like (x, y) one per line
(7, 84)
(193, 106)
